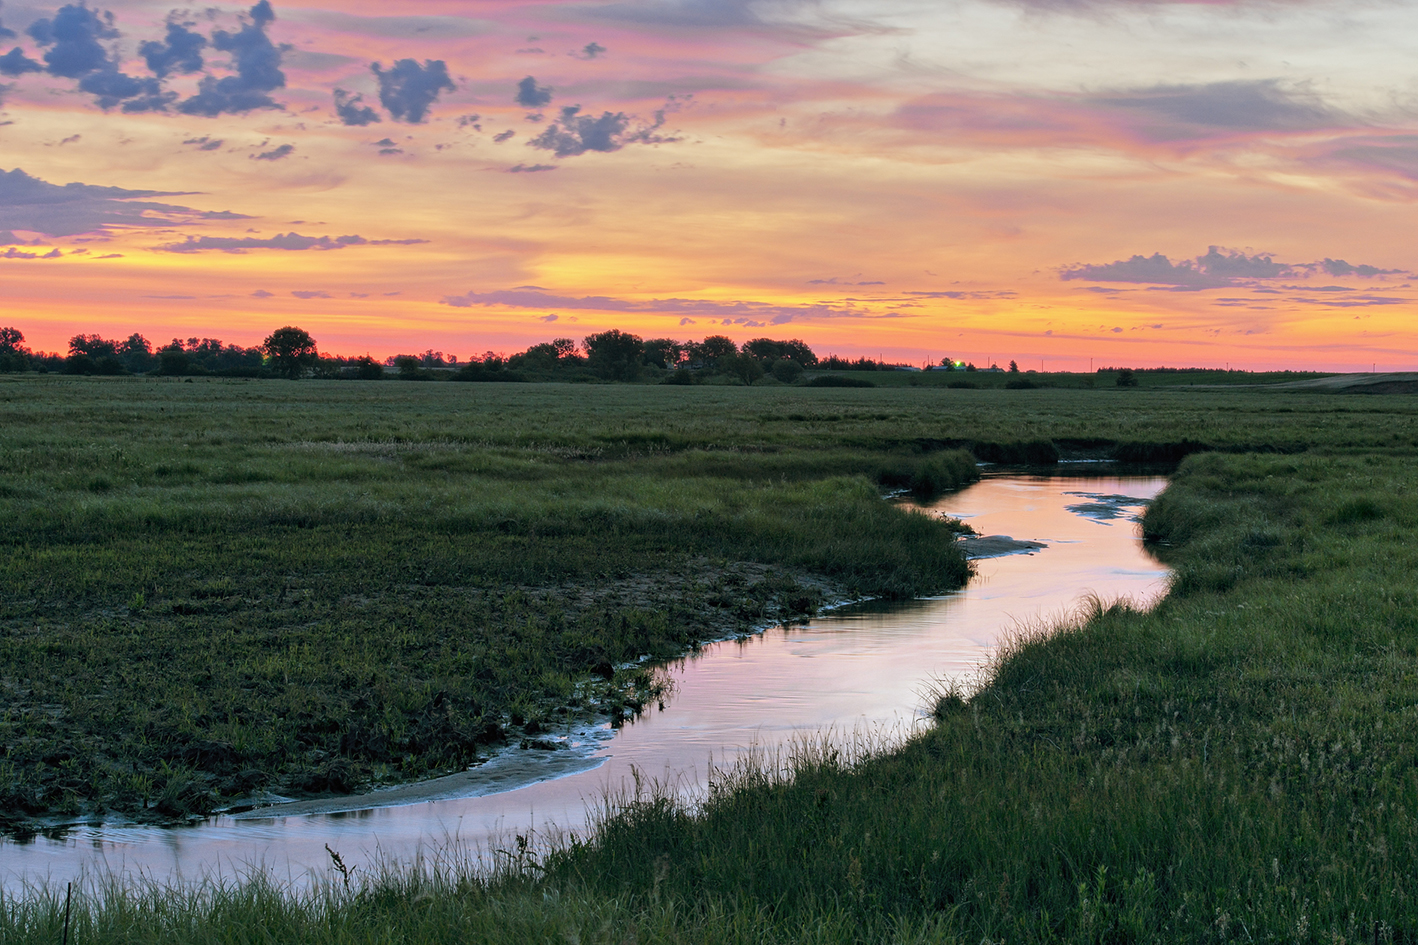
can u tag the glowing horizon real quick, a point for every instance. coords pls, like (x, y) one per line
(1129, 182)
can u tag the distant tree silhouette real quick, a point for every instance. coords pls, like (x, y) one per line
(768, 350)
(711, 349)
(136, 354)
(14, 357)
(614, 354)
(291, 350)
(664, 352)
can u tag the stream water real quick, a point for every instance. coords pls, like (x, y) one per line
(860, 673)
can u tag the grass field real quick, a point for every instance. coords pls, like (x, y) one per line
(1237, 764)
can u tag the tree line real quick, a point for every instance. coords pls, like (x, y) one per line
(612, 355)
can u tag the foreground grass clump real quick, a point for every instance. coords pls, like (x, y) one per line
(1237, 764)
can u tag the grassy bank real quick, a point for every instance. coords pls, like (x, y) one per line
(1238, 764)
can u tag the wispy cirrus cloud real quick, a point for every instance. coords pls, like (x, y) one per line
(746, 313)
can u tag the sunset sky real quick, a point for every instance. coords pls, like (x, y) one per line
(1061, 182)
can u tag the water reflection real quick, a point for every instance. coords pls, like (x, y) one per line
(863, 669)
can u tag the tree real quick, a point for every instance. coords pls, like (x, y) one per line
(173, 360)
(136, 354)
(368, 369)
(663, 352)
(291, 350)
(95, 346)
(1126, 378)
(711, 349)
(547, 356)
(769, 350)
(614, 354)
(11, 338)
(743, 366)
(1013, 367)
(92, 354)
(787, 371)
(408, 366)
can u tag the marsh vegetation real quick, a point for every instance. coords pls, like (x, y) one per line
(1235, 764)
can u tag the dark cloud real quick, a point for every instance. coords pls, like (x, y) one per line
(110, 88)
(1212, 270)
(1240, 105)
(73, 50)
(1215, 269)
(352, 111)
(1338, 267)
(408, 89)
(258, 70)
(590, 51)
(502, 136)
(27, 203)
(181, 52)
(205, 143)
(530, 168)
(261, 294)
(531, 95)
(15, 62)
(310, 294)
(275, 154)
(72, 40)
(574, 134)
(13, 253)
(293, 242)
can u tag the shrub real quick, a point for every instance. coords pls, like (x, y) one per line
(787, 371)
(833, 380)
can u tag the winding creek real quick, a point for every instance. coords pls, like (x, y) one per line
(857, 673)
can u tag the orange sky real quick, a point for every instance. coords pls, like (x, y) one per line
(978, 179)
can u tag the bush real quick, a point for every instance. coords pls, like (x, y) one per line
(833, 380)
(1126, 378)
(787, 371)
